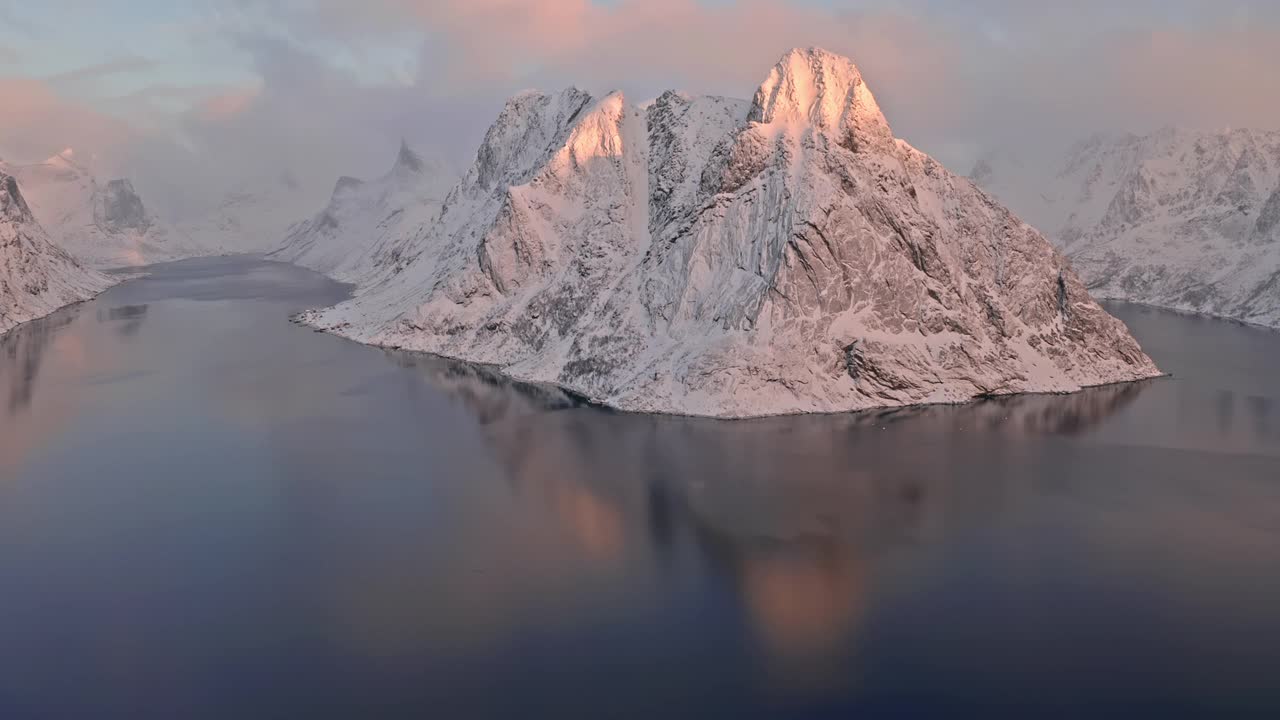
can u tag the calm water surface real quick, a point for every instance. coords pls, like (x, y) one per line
(206, 511)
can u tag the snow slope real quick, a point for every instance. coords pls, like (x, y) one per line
(36, 277)
(714, 257)
(103, 225)
(1180, 219)
(367, 224)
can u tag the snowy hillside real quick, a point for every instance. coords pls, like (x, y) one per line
(715, 257)
(36, 277)
(368, 224)
(1181, 219)
(103, 225)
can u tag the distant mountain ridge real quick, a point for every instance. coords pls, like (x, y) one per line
(104, 225)
(364, 225)
(1182, 219)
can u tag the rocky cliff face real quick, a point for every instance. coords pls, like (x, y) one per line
(713, 257)
(103, 225)
(1180, 219)
(36, 277)
(367, 225)
(117, 208)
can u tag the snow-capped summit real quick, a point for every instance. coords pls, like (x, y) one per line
(362, 228)
(36, 277)
(527, 127)
(717, 257)
(1179, 218)
(102, 225)
(823, 90)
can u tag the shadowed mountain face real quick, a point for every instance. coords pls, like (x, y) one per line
(117, 208)
(12, 205)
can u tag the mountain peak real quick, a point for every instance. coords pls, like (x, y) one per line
(825, 90)
(12, 204)
(64, 159)
(407, 159)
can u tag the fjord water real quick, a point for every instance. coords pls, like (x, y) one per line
(207, 511)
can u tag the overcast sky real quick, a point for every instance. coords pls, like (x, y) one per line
(193, 97)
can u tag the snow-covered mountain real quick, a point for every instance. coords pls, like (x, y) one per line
(366, 224)
(36, 276)
(251, 218)
(708, 256)
(1181, 219)
(103, 225)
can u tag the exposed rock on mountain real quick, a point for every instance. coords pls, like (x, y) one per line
(117, 208)
(366, 225)
(36, 277)
(103, 225)
(1181, 219)
(713, 257)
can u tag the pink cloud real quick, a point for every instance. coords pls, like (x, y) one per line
(227, 105)
(645, 46)
(37, 123)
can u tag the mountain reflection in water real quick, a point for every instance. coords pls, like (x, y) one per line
(206, 511)
(784, 510)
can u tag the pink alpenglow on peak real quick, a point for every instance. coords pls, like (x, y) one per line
(709, 256)
(826, 91)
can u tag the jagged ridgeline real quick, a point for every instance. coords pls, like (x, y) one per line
(103, 225)
(1183, 219)
(366, 225)
(709, 256)
(36, 277)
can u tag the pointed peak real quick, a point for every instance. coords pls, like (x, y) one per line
(528, 123)
(825, 90)
(66, 159)
(407, 159)
(12, 205)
